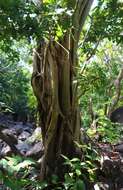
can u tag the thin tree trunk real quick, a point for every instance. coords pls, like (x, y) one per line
(116, 98)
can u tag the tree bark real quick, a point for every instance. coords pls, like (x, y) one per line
(52, 82)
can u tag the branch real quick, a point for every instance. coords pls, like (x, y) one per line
(90, 56)
(121, 98)
(88, 88)
(91, 111)
(94, 50)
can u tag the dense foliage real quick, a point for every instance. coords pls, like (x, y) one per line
(95, 78)
(15, 85)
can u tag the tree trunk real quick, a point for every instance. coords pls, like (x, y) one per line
(52, 81)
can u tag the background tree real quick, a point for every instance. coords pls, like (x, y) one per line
(99, 80)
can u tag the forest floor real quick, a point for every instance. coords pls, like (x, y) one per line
(23, 136)
(26, 139)
(110, 173)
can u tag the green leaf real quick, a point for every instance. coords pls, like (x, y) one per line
(79, 185)
(75, 160)
(78, 172)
